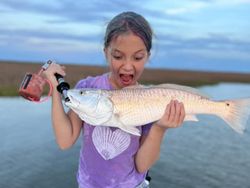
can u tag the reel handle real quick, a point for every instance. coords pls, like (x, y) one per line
(62, 86)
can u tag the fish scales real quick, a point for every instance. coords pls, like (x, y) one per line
(141, 105)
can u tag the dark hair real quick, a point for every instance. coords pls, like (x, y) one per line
(129, 22)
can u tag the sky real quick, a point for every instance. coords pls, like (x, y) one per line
(206, 35)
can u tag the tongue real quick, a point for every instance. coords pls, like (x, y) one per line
(126, 79)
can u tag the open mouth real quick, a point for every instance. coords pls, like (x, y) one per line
(126, 79)
(73, 102)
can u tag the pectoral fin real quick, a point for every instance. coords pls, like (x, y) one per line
(131, 130)
(191, 117)
(115, 122)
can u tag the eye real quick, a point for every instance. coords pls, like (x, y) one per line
(81, 92)
(117, 57)
(138, 58)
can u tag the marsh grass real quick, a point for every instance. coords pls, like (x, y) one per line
(12, 73)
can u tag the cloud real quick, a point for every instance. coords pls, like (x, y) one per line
(52, 35)
(214, 46)
(217, 41)
(83, 11)
(232, 2)
(61, 46)
(201, 4)
(189, 8)
(74, 30)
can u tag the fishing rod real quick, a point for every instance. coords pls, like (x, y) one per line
(62, 87)
(32, 86)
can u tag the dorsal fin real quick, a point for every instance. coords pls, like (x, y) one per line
(170, 86)
(182, 88)
(135, 86)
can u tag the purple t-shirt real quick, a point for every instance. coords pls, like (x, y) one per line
(107, 153)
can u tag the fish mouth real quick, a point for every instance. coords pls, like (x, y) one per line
(73, 102)
(126, 79)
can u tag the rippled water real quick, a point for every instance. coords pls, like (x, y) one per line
(203, 154)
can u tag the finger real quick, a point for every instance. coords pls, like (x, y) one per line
(49, 73)
(62, 70)
(172, 111)
(177, 112)
(167, 112)
(63, 67)
(59, 69)
(182, 114)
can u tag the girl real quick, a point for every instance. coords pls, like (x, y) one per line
(110, 157)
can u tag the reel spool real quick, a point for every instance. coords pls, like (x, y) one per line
(32, 86)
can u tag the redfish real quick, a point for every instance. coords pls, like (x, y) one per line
(138, 105)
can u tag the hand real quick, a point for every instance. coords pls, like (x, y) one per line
(53, 68)
(173, 116)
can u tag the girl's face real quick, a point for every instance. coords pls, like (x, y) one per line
(127, 56)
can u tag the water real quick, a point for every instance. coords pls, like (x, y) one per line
(205, 154)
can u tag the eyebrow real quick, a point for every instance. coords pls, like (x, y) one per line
(116, 50)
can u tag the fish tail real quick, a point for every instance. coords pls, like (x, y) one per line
(237, 114)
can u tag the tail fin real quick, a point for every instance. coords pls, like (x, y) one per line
(237, 114)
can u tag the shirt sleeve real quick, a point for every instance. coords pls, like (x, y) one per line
(146, 128)
(84, 83)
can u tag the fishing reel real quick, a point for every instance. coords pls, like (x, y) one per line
(32, 86)
(62, 87)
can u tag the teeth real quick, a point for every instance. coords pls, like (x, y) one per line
(73, 101)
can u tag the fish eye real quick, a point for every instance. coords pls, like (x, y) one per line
(81, 92)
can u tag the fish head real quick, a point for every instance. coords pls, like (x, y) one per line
(92, 105)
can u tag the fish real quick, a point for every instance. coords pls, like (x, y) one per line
(138, 105)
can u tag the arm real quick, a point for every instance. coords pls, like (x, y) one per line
(67, 126)
(149, 150)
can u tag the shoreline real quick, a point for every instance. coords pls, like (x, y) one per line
(12, 73)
